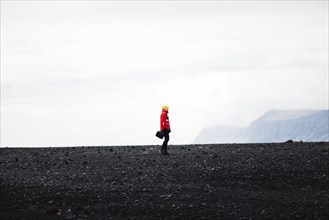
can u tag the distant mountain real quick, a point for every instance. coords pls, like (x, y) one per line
(221, 135)
(273, 126)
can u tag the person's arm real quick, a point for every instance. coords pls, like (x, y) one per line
(162, 121)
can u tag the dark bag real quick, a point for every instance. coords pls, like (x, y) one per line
(159, 134)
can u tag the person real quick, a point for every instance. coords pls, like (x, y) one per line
(165, 128)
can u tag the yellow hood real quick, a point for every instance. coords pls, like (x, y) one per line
(165, 107)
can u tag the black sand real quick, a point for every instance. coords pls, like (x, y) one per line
(237, 181)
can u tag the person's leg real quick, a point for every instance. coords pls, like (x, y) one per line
(165, 143)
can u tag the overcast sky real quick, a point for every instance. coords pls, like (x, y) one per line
(97, 73)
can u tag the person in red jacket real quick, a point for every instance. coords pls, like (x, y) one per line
(165, 129)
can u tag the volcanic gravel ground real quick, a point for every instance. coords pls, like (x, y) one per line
(235, 181)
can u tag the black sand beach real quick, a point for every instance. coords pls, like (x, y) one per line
(220, 181)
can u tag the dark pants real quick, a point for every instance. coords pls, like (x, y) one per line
(165, 142)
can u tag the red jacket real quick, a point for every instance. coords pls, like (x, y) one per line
(164, 120)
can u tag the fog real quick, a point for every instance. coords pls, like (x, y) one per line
(85, 73)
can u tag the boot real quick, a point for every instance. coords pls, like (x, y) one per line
(165, 151)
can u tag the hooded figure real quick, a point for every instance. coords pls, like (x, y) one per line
(165, 128)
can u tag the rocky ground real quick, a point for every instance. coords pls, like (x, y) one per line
(235, 181)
